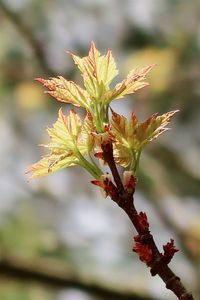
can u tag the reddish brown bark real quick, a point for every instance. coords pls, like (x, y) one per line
(145, 245)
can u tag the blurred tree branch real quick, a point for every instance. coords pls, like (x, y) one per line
(59, 274)
(29, 36)
(185, 182)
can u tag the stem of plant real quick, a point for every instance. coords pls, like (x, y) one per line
(157, 265)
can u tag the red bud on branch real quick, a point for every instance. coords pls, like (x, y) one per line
(143, 250)
(143, 221)
(169, 251)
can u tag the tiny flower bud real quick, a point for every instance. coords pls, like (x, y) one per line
(105, 183)
(143, 221)
(144, 252)
(129, 181)
(169, 251)
(101, 138)
(99, 155)
(107, 127)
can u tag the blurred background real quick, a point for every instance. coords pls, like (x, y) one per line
(59, 239)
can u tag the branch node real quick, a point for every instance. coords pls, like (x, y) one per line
(171, 281)
(155, 266)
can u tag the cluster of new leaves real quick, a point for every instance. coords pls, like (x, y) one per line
(75, 142)
(113, 140)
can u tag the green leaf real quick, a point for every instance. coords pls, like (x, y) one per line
(70, 140)
(131, 136)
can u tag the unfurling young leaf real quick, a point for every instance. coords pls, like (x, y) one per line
(98, 72)
(75, 142)
(66, 91)
(135, 81)
(71, 140)
(131, 136)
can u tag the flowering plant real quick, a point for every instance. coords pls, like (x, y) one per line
(112, 140)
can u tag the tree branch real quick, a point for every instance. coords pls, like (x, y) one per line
(58, 274)
(185, 182)
(145, 244)
(29, 37)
